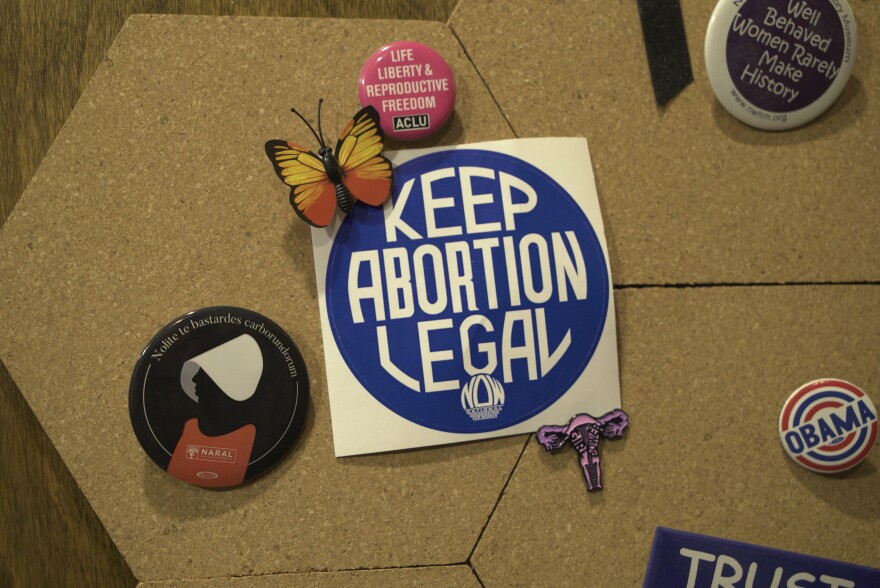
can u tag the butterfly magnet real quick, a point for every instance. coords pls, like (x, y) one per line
(355, 170)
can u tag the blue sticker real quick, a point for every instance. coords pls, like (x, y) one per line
(688, 560)
(476, 300)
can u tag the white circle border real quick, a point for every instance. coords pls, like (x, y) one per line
(718, 72)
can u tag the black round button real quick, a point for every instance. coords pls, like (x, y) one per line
(219, 396)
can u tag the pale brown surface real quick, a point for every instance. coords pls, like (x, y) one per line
(49, 535)
(436, 577)
(169, 205)
(689, 194)
(704, 374)
(50, 49)
(86, 279)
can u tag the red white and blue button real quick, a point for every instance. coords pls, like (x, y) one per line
(828, 426)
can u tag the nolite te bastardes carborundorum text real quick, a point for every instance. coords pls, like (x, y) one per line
(429, 272)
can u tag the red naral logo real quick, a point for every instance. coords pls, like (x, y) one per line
(204, 453)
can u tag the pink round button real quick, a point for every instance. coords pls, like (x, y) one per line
(411, 86)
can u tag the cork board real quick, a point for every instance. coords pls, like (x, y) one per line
(690, 194)
(704, 373)
(155, 200)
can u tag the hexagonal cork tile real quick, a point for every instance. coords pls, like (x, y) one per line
(704, 375)
(156, 199)
(689, 194)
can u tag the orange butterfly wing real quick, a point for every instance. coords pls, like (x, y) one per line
(365, 172)
(312, 194)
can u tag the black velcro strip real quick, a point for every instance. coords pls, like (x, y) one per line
(666, 45)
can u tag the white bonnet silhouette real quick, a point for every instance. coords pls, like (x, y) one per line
(235, 366)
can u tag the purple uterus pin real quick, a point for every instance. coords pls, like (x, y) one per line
(584, 432)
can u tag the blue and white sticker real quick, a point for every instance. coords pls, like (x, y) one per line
(689, 560)
(473, 301)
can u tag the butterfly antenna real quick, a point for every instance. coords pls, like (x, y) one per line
(320, 132)
(302, 118)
